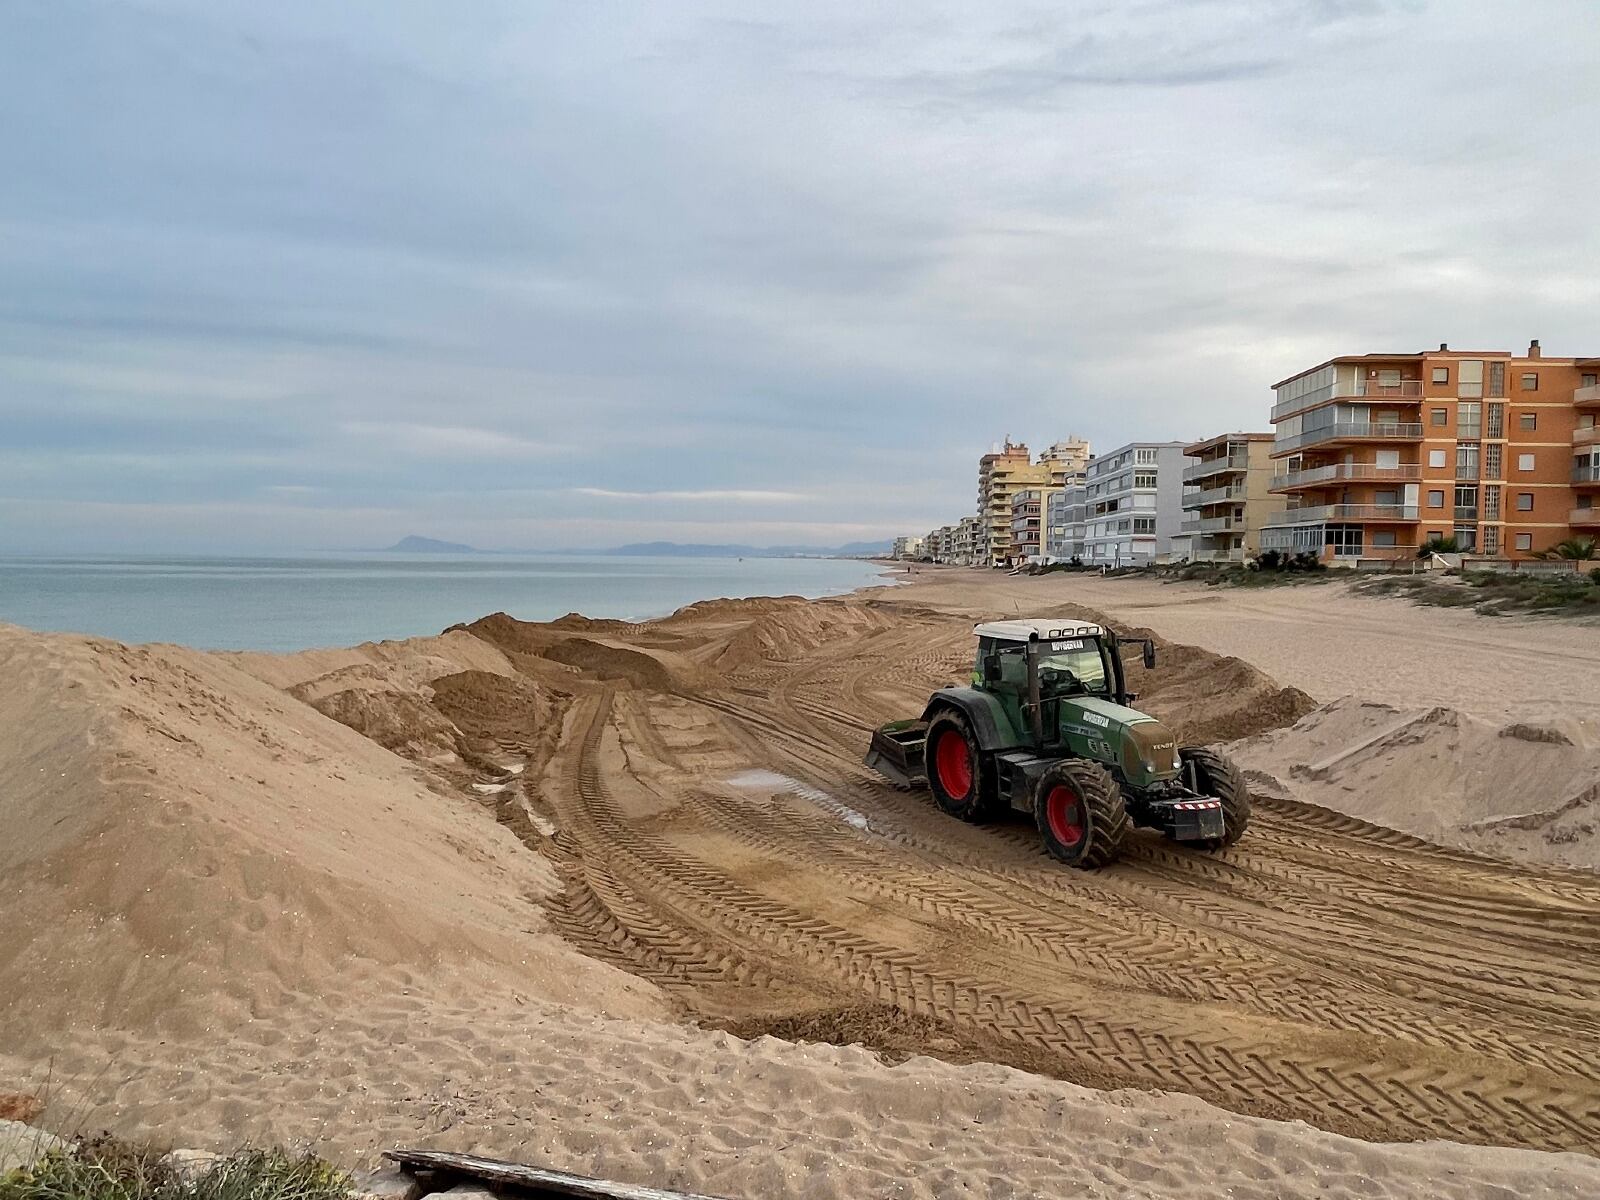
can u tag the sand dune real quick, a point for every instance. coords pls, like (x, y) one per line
(1520, 790)
(481, 925)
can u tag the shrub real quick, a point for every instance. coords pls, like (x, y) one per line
(105, 1169)
(1437, 545)
(1580, 548)
(1595, 575)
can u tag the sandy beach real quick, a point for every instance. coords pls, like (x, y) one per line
(621, 898)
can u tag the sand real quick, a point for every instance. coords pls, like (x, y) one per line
(481, 900)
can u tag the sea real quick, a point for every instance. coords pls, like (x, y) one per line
(341, 599)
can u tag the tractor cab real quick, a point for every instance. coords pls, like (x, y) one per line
(1030, 666)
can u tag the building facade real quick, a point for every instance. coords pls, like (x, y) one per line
(1231, 496)
(1066, 459)
(1378, 453)
(1027, 524)
(1065, 524)
(1133, 501)
(1002, 473)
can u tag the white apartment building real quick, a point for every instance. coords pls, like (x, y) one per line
(1064, 523)
(1133, 500)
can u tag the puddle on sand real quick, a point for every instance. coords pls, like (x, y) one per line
(774, 782)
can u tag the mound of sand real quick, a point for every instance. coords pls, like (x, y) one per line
(1521, 790)
(187, 850)
(401, 721)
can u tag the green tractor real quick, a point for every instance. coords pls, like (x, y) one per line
(1046, 729)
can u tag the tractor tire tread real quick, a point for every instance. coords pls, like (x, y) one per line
(1220, 776)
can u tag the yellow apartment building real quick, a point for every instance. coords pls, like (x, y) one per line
(1228, 496)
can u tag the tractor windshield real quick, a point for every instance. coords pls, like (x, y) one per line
(1073, 668)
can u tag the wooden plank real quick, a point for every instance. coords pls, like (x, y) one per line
(538, 1180)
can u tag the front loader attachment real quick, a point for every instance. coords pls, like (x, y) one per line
(896, 753)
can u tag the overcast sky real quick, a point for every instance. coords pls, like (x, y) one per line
(300, 274)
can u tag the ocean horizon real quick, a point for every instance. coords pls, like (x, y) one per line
(342, 598)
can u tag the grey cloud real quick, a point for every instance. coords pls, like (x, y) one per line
(262, 255)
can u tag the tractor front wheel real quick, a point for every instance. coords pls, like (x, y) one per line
(1081, 814)
(958, 774)
(1215, 774)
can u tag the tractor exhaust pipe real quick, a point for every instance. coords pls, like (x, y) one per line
(1035, 700)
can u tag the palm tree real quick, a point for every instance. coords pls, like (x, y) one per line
(1437, 545)
(1580, 548)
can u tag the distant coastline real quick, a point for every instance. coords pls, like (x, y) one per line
(417, 544)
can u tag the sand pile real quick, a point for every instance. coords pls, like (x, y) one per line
(1206, 697)
(1521, 790)
(188, 850)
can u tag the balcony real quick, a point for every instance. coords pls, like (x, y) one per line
(1345, 472)
(1213, 524)
(1585, 475)
(1466, 514)
(1317, 514)
(1586, 437)
(1215, 466)
(1222, 495)
(1587, 397)
(1352, 431)
(1355, 389)
(1584, 518)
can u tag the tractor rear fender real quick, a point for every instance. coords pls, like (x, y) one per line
(990, 724)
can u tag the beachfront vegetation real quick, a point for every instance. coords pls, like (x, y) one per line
(1496, 593)
(1581, 549)
(107, 1169)
(1438, 545)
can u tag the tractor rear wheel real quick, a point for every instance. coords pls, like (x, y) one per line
(1081, 814)
(959, 775)
(1215, 774)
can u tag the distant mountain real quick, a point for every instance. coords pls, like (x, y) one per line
(701, 550)
(412, 544)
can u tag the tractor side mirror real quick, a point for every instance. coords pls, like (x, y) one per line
(1149, 655)
(991, 669)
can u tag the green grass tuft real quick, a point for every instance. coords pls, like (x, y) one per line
(105, 1169)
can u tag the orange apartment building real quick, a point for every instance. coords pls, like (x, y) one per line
(1376, 453)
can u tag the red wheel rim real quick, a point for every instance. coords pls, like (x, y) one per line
(1063, 811)
(954, 764)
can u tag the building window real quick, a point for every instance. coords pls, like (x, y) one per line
(1466, 538)
(1436, 498)
(1491, 461)
(1497, 379)
(1144, 524)
(1144, 479)
(1524, 501)
(1497, 420)
(1528, 421)
(1491, 539)
(1530, 381)
(1441, 374)
(1524, 541)
(1491, 502)
(1469, 417)
(1524, 462)
(1589, 381)
(1144, 456)
(1436, 458)
(1345, 540)
(1383, 537)
(1439, 416)
(1467, 460)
